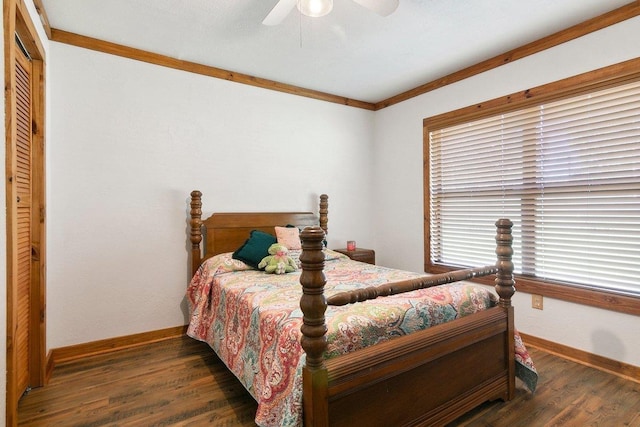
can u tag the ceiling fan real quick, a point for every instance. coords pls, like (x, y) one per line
(316, 8)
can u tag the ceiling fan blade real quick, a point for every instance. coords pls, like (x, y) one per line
(279, 12)
(381, 7)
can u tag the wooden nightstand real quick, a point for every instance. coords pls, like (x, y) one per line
(360, 254)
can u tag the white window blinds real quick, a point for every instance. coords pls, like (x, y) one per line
(567, 173)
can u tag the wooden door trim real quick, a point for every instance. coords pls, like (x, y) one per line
(38, 236)
(17, 21)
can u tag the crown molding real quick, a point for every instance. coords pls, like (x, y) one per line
(623, 13)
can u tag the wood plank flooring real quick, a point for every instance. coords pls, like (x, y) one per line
(180, 382)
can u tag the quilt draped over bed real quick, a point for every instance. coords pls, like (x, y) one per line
(252, 321)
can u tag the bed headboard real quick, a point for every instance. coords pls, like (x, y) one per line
(226, 232)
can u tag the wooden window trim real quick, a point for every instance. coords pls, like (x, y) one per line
(601, 78)
(584, 296)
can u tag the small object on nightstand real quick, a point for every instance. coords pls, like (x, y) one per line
(351, 245)
(360, 254)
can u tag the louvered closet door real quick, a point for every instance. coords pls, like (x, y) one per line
(23, 186)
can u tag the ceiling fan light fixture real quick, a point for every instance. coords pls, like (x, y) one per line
(315, 8)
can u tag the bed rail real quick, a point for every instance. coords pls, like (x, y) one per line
(386, 289)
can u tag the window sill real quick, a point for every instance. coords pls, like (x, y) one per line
(595, 298)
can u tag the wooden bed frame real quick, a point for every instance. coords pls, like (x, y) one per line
(429, 377)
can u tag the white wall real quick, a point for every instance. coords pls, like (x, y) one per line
(131, 140)
(398, 182)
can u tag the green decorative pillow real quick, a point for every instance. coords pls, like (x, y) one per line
(254, 248)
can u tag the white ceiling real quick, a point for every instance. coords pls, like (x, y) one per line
(351, 52)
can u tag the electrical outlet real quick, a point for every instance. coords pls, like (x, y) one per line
(536, 301)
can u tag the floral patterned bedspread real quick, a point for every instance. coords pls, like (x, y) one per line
(252, 320)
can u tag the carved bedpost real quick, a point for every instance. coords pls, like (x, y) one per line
(324, 212)
(312, 302)
(314, 329)
(504, 278)
(505, 289)
(196, 230)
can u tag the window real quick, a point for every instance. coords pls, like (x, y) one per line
(566, 171)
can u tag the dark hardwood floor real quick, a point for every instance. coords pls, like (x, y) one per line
(180, 382)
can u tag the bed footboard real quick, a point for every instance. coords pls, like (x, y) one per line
(426, 378)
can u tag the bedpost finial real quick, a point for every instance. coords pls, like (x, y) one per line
(195, 224)
(324, 212)
(196, 216)
(504, 252)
